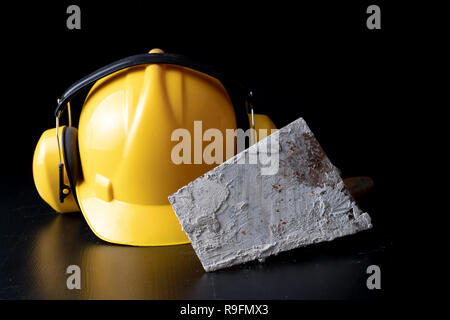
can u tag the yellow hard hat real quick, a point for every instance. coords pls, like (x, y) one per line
(117, 167)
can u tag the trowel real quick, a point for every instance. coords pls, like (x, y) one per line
(240, 211)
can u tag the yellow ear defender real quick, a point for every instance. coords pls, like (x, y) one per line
(116, 167)
(56, 187)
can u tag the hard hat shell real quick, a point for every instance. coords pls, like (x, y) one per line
(124, 137)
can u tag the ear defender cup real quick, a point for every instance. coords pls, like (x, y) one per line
(46, 174)
(71, 157)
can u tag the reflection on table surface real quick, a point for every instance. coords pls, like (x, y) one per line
(35, 267)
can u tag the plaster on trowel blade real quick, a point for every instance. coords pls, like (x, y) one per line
(234, 213)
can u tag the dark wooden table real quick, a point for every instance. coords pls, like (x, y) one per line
(37, 245)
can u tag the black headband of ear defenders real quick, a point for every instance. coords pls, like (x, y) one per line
(237, 92)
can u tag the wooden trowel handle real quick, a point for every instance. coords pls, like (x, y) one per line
(358, 186)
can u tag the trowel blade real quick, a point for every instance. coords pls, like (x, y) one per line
(240, 212)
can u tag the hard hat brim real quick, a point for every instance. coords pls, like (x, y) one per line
(131, 224)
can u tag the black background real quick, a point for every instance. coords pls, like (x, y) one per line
(361, 92)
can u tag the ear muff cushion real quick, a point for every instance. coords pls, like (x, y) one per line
(71, 156)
